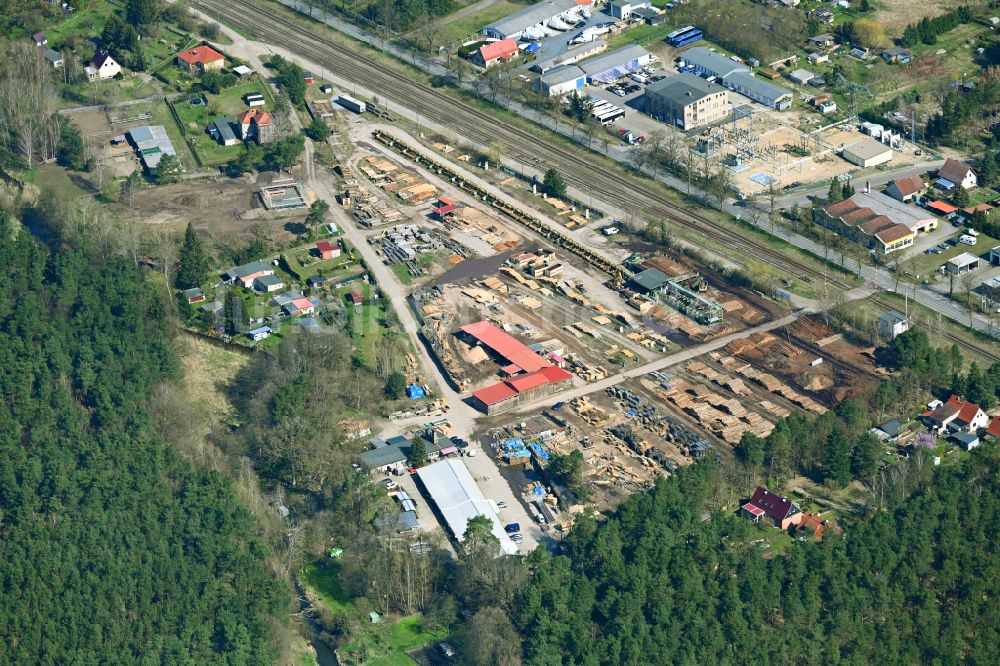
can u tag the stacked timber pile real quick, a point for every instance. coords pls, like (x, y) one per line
(773, 409)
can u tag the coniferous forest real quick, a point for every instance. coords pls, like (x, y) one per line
(112, 548)
(662, 583)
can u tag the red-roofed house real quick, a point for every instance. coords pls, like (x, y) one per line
(957, 415)
(258, 125)
(941, 207)
(907, 189)
(327, 250)
(201, 58)
(781, 510)
(299, 306)
(954, 173)
(495, 53)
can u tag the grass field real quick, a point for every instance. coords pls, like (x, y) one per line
(641, 34)
(466, 27)
(325, 581)
(386, 644)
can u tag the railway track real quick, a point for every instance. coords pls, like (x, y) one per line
(611, 186)
(466, 120)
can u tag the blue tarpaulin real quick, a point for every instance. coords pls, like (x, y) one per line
(523, 453)
(414, 392)
(540, 452)
(513, 443)
(538, 490)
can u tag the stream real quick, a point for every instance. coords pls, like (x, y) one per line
(311, 630)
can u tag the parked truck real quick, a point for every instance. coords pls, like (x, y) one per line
(349, 102)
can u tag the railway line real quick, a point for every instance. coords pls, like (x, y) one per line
(475, 125)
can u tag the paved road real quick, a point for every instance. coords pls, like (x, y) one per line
(659, 364)
(804, 198)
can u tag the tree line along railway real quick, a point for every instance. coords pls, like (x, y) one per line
(483, 128)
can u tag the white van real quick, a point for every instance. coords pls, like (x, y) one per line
(967, 239)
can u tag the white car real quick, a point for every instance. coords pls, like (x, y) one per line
(501, 504)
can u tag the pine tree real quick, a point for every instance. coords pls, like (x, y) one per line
(838, 461)
(141, 12)
(194, 262)
(847, 191)
(836, 191)
(960, 197)
(553, 183)
(418, 453)
(988, 171)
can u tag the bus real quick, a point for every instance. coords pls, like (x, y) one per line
(684, 36)
(608, 116)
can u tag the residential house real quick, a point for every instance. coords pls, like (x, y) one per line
(907, 189)
(201, 59)
(956, 174)
(299, 306)
(268, 283)
(897, 54)
(194, 295)
(818, 58)
(357, 298)
(957, 415)
(821, 41)
(892, 324)
(781, 511)
(102, 67)
(327, 250)
(993, 429)
(247, 273)
(257, 125)
(40, 39)
(221, 129)
(259, 334)
(822, 15)
(495, 53)
(54, 58)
